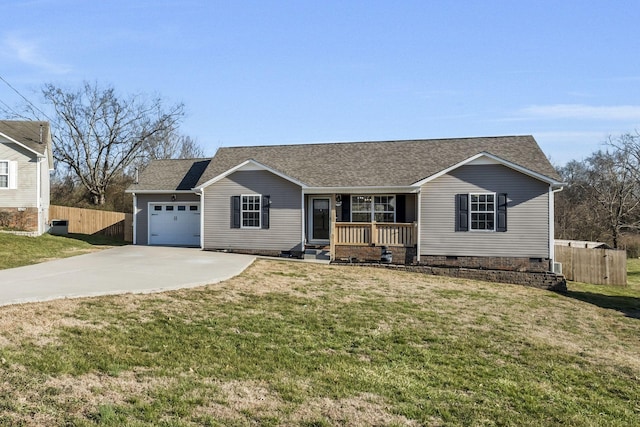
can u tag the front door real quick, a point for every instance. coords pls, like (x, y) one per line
(320, 210)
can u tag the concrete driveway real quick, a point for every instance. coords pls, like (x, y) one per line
(125, 269)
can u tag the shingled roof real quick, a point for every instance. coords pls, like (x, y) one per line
(28, 133)
(349, 164)
(382, 163)
(170, 175)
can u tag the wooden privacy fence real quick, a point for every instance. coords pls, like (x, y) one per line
(597, 266)
(88, 221)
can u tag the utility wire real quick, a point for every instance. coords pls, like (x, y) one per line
(25, 98)
(7, 107)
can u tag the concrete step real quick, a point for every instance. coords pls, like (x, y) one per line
(317, 254)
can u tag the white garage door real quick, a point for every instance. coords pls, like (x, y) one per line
(174, 224)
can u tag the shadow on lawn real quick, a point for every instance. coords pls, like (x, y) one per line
(629, 306)
(96, 239)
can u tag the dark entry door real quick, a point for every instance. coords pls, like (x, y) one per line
(320, 219)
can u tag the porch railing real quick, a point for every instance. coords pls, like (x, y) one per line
(376, 233)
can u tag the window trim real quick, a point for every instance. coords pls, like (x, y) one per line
(372, 208)
(258, 211)
(8, 175)
(494, 212)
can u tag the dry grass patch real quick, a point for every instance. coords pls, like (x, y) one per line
(289, 343)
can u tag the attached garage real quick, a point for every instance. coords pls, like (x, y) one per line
(174, 224)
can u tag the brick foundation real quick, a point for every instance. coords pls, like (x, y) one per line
(540, 280)
(19, 220)
(539, 265)
(366, 253)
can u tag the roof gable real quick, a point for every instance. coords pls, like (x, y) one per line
(486, 159)
(248, 165)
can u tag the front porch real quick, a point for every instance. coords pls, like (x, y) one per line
(335, 222)
(368, 242)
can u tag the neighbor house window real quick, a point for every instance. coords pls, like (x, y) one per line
(483, 211)
(250, 211)
(4, 174)
(373, 208)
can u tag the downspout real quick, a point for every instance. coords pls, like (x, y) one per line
(302, 213)
(135, 219)
(419, 230)
(201, 194)
(552, 248)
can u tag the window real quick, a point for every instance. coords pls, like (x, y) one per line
(193, 207)
(250, 211)
(384, 209)
(169, 207)
(157, 208)
(182, 208)
(373, 208)
(482, 211)
(4, 174)
(360, 208)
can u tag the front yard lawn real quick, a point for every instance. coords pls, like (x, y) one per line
(16, 251)
(290, 343)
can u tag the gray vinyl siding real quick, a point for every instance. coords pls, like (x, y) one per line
(142, 211)
(25, 195)
(527, 232)
(285, 216)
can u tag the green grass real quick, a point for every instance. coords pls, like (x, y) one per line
(16, 251)
(297, 344)
(625, 299)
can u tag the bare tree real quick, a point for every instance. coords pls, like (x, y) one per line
(602, 199)
(615, 190)
(98, 135)
(171, 147)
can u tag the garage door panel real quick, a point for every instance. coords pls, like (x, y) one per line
(174, 224)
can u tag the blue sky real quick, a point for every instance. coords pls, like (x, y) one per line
(279, 72)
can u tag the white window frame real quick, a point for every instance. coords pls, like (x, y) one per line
(243, 211)
(478, 211)
(372, 207)
(8, 175)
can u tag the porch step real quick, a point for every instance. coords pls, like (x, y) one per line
(316, 254)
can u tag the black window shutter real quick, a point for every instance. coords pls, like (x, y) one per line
(401, 208)
(462, 212)
(346, 208)
(266, 201)
(501, 223)
(235, 211)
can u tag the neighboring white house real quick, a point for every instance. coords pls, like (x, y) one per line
(25, 164)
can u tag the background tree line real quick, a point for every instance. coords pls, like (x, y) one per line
(601, 201)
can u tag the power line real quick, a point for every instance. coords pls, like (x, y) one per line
(25, 98)
(9, 108)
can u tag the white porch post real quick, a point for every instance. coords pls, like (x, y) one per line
(135, 218)
(419, 227)
(303, 214)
